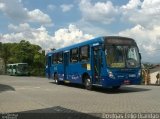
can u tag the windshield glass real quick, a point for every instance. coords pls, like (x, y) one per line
(119, 56)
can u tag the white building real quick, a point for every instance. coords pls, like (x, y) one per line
(153, 73)
(2, 66)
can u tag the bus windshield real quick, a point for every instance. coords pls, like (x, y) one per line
(121, 56)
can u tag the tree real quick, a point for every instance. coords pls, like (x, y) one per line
(24, 52)
(5, 54)
(0, 49)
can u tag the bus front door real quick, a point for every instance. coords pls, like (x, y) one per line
(96, 64)
(49, 67)
(66, 65)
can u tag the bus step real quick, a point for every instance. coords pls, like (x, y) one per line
(97, 85)
(66, 81)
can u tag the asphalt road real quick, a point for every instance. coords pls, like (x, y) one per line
(33, 94)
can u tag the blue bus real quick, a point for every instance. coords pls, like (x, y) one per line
(108, 61)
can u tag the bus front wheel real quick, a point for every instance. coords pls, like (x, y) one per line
(56, 79)
(88, 83)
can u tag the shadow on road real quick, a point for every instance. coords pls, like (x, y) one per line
(123, 89)
(70, 85)
(57, 112)
(6, 88)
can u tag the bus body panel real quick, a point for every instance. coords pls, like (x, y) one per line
(74, 74)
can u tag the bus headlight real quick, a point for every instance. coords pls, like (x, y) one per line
(110, 74)
(139, 73)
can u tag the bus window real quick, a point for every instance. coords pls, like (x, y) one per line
(52, 59)
(132, 57)
(60, 57)
(10, 67)
(84, 53)
(14, 66)
(55, 58)
(74, 55)
(22, 67)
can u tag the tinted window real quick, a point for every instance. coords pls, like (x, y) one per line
(55, 58)
(74, 55)
(84, 53)
(60, 57)
(14, 66)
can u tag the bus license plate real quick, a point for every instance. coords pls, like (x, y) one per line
(127, 82)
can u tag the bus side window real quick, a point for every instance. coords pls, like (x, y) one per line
(74, 55)
(60, 57)
(14, 66)
(55, 58)
(84, 53)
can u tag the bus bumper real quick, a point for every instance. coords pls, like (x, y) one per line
(118, 82)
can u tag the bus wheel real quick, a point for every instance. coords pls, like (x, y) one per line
(56, 79)
(116, 87)
(88, 83)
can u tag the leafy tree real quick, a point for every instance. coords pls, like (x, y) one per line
(5, 54)
(0, 49)
(24, 52)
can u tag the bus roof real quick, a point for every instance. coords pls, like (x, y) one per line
(17, 63)
(90, 41)
(98, 39)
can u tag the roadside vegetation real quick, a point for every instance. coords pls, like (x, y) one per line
(24, 52)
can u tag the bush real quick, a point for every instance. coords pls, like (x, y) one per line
(37, 72)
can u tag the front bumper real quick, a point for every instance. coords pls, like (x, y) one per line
(108, 82)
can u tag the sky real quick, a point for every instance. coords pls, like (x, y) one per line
(59, 23)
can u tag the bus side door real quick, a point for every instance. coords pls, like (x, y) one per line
(48, 69)
(66, 65)
(96, 64)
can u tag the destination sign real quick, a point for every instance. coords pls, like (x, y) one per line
(120, 41)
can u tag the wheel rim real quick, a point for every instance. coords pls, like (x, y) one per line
(56, 79)
(88, 84)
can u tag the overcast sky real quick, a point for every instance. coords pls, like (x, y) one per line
(58, 23)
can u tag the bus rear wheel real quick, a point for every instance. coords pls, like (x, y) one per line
(56, 79)
(88, 84)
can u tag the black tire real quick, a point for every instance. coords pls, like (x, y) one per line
(56, 79)
(88, 84)
(116, 87)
